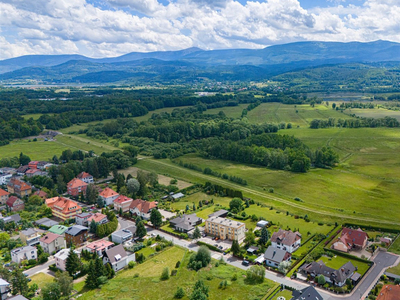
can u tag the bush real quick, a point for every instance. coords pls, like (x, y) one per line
(165, 274)
(255, 275)
(131, 264)
(234, 277)
(200, 259)
(174, 272)
(178, 263)
(179, 294)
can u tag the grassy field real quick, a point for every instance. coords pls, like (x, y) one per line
(325, 199)
(394, 270)
(33, 116)
(148, 285)
(337, 261)
(230, 111)
(285, 293)
(395, 247)
(374, 113)
(41, 279)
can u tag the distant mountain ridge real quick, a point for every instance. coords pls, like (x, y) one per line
(192, 62)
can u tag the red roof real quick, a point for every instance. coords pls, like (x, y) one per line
(32, 171)
(97, 217)
(107, 192)
(23, 185)
(41, 194)
(3, 193)
(142, 205)
(11, 200)
(65, 205)
(83, 175)
(49, 238)
(49, 202)
(99, 245)
(76, 183)
(353, 237)
(122, 199)
(389, 292)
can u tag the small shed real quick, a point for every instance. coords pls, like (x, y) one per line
(177, 195)
(252, 250)
(262, 223)
(260, 260)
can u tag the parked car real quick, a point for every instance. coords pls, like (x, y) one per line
(220, 247)
(245, 263)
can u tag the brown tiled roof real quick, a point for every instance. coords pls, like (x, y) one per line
(3, 193)
(66, 205)
(107, 192)
(49, 238)
(389, 292)
(11, 200)
(97, 217)
(75, 183)
(122, 199)
(83, 175)
(142, 205)
(23, 185)
(41, 194)
(49, 202)
(285, 237)
(353, 237)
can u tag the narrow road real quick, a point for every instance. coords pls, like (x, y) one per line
(40, 268)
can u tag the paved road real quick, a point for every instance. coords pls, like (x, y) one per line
(40, 268)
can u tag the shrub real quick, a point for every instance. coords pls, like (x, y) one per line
(178, 263)
(234, 277)
(271, 190)
(131, 264)
(136, 275)
(174, 272)
(179, 294)
(165, 274)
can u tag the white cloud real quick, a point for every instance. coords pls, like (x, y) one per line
(76, 26)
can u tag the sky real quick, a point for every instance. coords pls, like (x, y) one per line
(107, 28)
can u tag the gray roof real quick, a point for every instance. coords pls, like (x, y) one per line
(23, 249)
(16, 218)
(28, 231)
(186, 222)
(220, 213)
(308, 293)
(76, 229)
(177, 195)
(18, 297)
(275, 254)
(46, 222)
(340, 275)
(262, 223)
(126, 231)
(3, 282)
(114, 252)
(84, 215)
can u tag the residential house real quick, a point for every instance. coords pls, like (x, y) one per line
(52, 242)
(23, 253)
(8, 170)
(99, 247)
(5, 178)
(389, 292)
(15, 204)
(50, 201)
(142, 208)
(85, 177)
(3, 196)
(76, 235)
(122, 202)
(41, 194)
(123, 235)
(337, 277)
(58, 229)
(76, 186)
(274, 256)
(29, 236)
(13, 218)
(108, 196)
(225, 228)
(46, 223)
(82, 219)
(33, 164)
(222, 213)
(351, 239)
(118, 257)
(21, 170)
(4, 289)
(16, 186)
(286, 240)
(98, 218)
(185, 223)
(308, 293)
(35, 172)
(61, 258)
(65, 208)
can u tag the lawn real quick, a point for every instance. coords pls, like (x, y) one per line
(394, 270)
(148, 285)
(146, 251)
(230, 111)
(337, 261)
(41, 279)
(285, 293)
(395, 247)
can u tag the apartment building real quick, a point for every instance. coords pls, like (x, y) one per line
(225, 229)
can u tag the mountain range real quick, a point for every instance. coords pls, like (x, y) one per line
(194, 63)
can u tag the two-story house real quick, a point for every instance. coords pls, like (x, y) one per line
(18, 187)
(85, 177)
(117, 257)
(23, 253)
(142, 208)
(122, 203)
(76, 186)
(99, 247)
(52, 242)
(15, 204)
(286, 240)
(4, 196)
(108, 196)
(61, 258)
(82, 219)
(76, 235)
(29, 236)
(98, 218)
(4, 289)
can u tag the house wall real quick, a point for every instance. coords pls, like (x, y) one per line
(60, 264)
(124, 205)
(287, 248)
(109, 200)
(145, 216)
(18, 206)
(76, 240)
(225, 232)
(54, 246)
(3, 199)
(76, 191)
(82, 221)
(340, 247)
(121, 239)
(26, 255)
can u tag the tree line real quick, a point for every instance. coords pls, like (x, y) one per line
(355, 123)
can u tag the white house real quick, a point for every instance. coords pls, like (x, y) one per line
(52, 242)
(30, 236)
(23, 253)
(61, 257)
(4, 289)
(123, 235)
(286, 240)
(108, 196)
(85, 177)
(273, 256)
(118, 258)
(4, 178)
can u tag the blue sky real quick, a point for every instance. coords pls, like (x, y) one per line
(100, 28)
